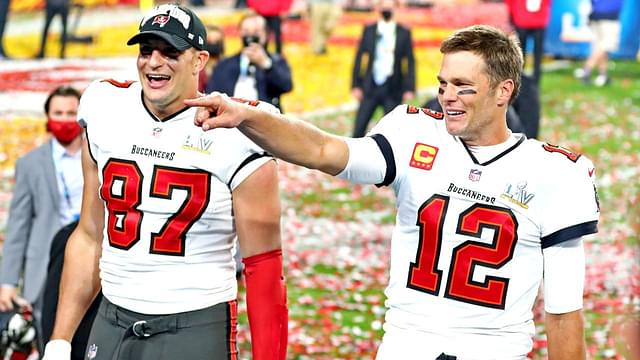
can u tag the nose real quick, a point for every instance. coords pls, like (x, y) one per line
(449, 93)
(156, 58)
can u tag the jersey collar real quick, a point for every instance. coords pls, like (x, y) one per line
(155, 118)
(522, 138)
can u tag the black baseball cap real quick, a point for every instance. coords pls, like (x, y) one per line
(175, 24)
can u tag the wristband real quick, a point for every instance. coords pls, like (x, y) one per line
(58, 349)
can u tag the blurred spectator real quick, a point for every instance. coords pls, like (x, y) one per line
(527, 107)
(47, 196)
(324, 16)
(604, 22)
(384, 67)
(53, 8)
(272, 11)
(254, 73)
(530, 18)
(359, 5)
(51, 292)
(4, 13)
(215, 47)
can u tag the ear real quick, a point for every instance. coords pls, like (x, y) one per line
(505, 89)
(200, 61)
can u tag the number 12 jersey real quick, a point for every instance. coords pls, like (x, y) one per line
(466, 251)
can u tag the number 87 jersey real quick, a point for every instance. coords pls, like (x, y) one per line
(169, 232)
(466, 251)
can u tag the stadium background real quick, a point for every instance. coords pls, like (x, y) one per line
(337, 235)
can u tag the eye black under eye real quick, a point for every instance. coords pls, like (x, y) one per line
(171, 52)
(467, 92)
(146, 50)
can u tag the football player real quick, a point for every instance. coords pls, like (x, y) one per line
(162, 206)
(484, 215)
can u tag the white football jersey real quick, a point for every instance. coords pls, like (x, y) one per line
(466, 251)
(169, 232)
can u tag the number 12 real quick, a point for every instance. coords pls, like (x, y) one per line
(424, 275)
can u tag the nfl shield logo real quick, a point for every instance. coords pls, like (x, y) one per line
(474, 174)
(92, 351)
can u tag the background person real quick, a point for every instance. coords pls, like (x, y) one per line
(51, 295)
(47, 195)
(215, 47)
(530, 19)
(273, 11)
(53, 8)
(253, 73)
(324, 15)
(604, 22)
(384, 68)
(4, 13)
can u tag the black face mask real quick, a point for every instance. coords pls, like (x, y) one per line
(386, 14)
(215, 49)
(250, 39)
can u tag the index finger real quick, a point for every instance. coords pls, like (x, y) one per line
(208, 101)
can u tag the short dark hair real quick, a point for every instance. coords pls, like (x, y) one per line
(64, 90)
(501, 53)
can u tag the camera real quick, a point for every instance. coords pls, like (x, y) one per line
(250, 39)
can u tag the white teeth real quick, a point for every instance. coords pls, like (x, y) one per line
(454, 113)
(158, 77)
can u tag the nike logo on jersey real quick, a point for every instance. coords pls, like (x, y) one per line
(423, 156)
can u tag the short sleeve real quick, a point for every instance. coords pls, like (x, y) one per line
(249, 156)
(564, 271)
(367, 163)
(87, 103)
(236, 156)
(573, 209)
(372, 159)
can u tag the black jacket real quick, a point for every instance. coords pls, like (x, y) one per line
(271, 84)
(51, 294)
(404, 73)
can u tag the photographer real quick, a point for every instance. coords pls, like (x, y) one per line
(254, 73)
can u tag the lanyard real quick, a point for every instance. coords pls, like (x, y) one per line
(65, 188)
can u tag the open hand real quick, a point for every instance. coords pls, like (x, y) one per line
(7, 297)
(10, 300)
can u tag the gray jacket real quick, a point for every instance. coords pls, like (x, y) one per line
(34, 219)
